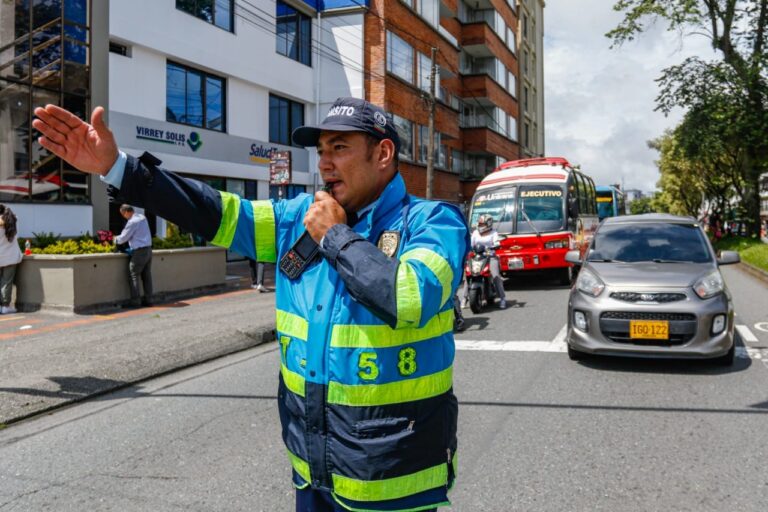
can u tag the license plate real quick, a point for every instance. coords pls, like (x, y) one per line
(649, 329)
(514, 263)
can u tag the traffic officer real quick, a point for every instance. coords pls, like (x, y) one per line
(364, 323)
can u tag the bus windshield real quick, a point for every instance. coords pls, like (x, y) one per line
(605, 206)
(499, 203)
(541, 209)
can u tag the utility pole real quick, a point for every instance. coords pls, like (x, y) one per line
(431, 129)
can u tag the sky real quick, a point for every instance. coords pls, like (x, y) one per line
(599, 102)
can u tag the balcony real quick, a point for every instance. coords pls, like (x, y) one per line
(480, 139)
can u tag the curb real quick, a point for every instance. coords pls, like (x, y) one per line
(240, 341)
(748, 268)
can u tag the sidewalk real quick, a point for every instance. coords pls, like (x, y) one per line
(48, 360)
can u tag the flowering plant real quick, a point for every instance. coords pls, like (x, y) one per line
(105, 236)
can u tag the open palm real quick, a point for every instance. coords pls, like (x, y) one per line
(88, 147)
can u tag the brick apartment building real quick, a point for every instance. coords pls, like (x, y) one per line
(478, 114)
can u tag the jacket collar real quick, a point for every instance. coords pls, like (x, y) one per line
(391, 198)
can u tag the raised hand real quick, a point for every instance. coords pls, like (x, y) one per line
(88, 147)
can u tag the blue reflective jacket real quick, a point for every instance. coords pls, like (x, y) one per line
(365, 389)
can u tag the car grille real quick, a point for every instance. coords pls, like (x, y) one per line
(615, 326)
(631, 315)
(648, 297)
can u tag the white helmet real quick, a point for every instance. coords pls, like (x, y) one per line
(484, 223)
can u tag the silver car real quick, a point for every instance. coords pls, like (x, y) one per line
(649, 286)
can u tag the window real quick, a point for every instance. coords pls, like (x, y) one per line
(525, 61)
(215, 12)
(512, 129)
(294, 33)
(525, 98)
(284, 116)
(511, 84)
(195, 98)
(405, 131)
(425, 69)
(424, 145)
(525, 26)
(511, 40)
(119, 49)
(457, 161)
(399, 57)
(526, 140)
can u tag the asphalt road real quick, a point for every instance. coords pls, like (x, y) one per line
(537, 431)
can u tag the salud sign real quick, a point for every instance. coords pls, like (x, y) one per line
(280, 168)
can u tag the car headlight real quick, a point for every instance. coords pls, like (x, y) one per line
(709, 285)
(589, 283)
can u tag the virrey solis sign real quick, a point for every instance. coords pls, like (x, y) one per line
(280, 168)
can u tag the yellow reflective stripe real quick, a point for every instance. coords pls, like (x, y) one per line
(230, 211)
(264, 231)
(408, 296)
(437, 264)
(293, 381)
(390, 488)
(292, 325)
(406, 390)
(383, 336)
(301, 466)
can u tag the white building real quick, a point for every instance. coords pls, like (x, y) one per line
(210, 87)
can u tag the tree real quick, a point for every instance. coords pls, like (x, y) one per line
(641, 205)
(737, 30)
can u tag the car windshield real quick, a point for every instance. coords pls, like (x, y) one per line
(541, 209)
(661, 242)
(498, 203)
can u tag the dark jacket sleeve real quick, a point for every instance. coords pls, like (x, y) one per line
(191, 204)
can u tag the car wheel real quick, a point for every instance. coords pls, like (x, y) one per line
(728, 358)
(474, 301)
(574, 355)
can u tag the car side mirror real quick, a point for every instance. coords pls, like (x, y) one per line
(573, 257)
(728, 258)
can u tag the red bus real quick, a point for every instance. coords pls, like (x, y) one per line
(544, 207)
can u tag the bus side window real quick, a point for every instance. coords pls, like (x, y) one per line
(592, 197)
(582, 188)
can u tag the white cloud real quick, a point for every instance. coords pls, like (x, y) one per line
(599, 102)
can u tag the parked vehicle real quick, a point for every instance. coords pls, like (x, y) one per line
(545, 207)
(650, 286)
(482, 291)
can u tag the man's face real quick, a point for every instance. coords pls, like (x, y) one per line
(351, 167)
(126, 214)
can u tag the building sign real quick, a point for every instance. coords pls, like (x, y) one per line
(261, 154)
(142, 134)
(191, 139)
(280, 168)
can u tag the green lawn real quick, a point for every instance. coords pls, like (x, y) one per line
(751, 250)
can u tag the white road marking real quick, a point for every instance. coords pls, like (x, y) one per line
(25, 327)
(746, 334)
(508, 346)
(762, 326)
(556, 345)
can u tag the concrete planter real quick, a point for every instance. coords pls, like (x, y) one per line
(89, 282)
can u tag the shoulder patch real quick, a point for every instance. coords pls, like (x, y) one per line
(388, 242)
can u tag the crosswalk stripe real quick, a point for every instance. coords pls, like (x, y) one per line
(511, 346)
(746, 334)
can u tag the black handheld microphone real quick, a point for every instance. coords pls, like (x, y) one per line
(301, 254)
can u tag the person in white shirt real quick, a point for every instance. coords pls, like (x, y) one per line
(488, 237)
(10, 257)
(136, 233)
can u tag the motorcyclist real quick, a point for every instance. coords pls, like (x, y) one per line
(488, 237)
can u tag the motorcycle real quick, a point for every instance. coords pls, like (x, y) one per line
(478, 274)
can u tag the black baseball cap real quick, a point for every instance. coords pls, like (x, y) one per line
(351, 115)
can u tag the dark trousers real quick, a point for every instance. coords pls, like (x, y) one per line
(140, 265)
(312, 500)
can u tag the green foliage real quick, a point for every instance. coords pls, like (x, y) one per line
(641, 205)
(721, 144)
(87, 246)
(751, 250)
(41, 240)
(174, 239)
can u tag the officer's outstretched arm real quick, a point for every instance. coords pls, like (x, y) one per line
(224, 219)
(410, 290)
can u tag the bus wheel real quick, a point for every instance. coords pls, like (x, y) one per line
(565, 276)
